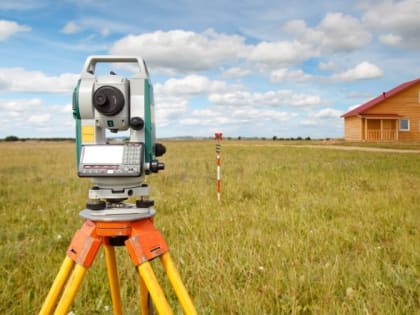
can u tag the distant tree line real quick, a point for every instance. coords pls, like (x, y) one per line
(13, 138)
(275, 138)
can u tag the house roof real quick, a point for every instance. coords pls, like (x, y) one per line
(385, 95)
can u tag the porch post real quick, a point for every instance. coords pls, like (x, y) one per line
(397, 129)
(382, 130)
(366, 131)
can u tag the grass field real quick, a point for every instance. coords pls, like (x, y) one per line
(299, 230)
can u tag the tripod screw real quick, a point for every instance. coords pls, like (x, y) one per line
(96, 205)
(144, 203)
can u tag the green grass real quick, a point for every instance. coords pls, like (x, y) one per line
(299, 230)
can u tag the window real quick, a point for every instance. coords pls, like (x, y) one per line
(404, 125)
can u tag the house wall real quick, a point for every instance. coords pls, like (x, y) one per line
(353, 128)
(406, 104)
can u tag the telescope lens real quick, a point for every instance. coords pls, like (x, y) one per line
(108, 100)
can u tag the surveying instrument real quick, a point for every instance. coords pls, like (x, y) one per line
(117, 171)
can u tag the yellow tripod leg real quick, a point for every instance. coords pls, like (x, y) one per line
(71, 290)
(145, 302)
(156, 292)
(111, 267)
(177, 284)
(57, 286)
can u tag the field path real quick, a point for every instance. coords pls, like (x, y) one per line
(331, 147)
(355, 148)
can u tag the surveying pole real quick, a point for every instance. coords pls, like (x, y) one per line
(218, 136)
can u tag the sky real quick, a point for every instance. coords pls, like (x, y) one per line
(245, 68)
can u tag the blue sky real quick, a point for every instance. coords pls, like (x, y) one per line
(248, 68)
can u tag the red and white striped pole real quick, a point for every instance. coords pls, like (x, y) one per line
(218, 136)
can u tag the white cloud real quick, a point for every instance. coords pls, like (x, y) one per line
(390, 39)
(236, 72)
(276, 98)
(186, 51)
(71, 28)
(228, 116)
(322, 117)
(103, 26)
(9, 28)
(281, 53)
(190, 85)
(181, 50)
(169, 109)
(32, 117)
(20, 105)
(362, 71)
(399, 17)
(229, 107)
(328, 113)
(328, 66)
(39, 119)
(343, 32)
(337, 32)
(285, 75)
(21, 80)
(173, 96)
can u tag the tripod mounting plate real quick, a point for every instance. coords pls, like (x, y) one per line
(123, 193)
(127, 213)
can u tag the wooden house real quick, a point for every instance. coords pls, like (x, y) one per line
(392, 116)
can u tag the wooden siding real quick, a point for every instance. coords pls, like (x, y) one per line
(353, 128)
(406, 104)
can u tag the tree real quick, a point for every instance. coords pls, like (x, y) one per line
(11, 138)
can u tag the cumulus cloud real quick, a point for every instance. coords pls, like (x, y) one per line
(227, 105)
(21, 80)
(9, 28)
(271, 98)
(187, 51)
(362, 71)
(170, 109)
(285, 75)
(173, 95)
(236, 72)
(20, 105)
(39, 119)
(328, 113)
(223, 116)
(390, 39)
(281, 53)
(322, 117)
(182, 50)
(399, 18)
(190, 85)
(24, 116)
(102, 26)
(71, 28)
(337, 32)
(328, 66)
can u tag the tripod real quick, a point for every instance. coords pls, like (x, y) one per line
(143, 242)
